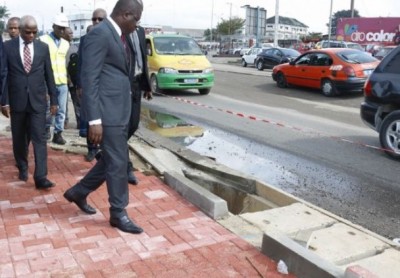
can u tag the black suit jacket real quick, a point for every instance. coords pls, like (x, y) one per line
(33, 86)
(144, 80)
(3, 68)
(105, 77)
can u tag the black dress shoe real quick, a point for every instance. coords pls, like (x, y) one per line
(125, 224)
(44, 184)
(132, 178)
(79, 201)
(23, 175)
(90, 155)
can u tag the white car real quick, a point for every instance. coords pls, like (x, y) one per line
(250, 57)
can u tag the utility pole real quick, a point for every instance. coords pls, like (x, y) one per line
(352, 8)
(230, 24)
(211, 27)
(330, 23)
(276, 23)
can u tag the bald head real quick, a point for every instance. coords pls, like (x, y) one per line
(98, 16)
(28, 28)
(127, 14)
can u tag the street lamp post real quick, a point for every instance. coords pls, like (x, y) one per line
(276, 23)
(211, 27)
(330, 23)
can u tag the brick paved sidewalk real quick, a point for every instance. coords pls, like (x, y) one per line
(42, 235)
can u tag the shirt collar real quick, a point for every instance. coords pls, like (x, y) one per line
(22, 42)
(115, 25)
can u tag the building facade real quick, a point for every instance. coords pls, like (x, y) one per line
(78, 23)
(288, 29)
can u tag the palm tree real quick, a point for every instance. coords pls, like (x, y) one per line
(4, 14)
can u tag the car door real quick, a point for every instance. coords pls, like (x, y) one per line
(251, 55)
(273, 58)
(318, 69)
(267, 57)
(297, 73)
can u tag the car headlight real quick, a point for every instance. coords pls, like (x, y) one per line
(168, 70)
(208, 70)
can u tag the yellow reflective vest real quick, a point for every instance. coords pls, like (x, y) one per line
(58, 58)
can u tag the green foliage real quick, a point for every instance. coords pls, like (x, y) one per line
(230, 27)
(207, 35)
(4, 14)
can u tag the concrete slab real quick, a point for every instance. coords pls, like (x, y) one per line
(385, 265)
(300, 261)
(210, 204)
(342, 244)
(162, 160)
(296, 220)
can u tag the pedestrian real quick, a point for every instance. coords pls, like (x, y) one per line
(24, 99)
(58, 52)
(72, 71)
(98, 16)
(139, 83)
(13, 27)
(106, 99)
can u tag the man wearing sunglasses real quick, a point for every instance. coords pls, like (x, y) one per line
(58, 52)
(29, 80)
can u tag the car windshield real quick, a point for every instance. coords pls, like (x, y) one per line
(290, 52)
(355, 56)
(383, 51)
(176, 46)
(355, 46)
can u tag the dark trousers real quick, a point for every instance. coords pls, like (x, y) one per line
(29, 126)
(76, 102)
(135, 116)
(111, 167)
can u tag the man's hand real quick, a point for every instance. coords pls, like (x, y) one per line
(53, 109)
(5, 110)
(148, 95)
(95, 134)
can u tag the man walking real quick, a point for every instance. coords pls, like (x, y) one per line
(58, 51)
(29, 78)
(106, 99)
(13, 27)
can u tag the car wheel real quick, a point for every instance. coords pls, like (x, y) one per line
(260, 65)
(204, 91)
(154, 84)
(244, 64)
(328, 88)
(389, 135)
(281, 80)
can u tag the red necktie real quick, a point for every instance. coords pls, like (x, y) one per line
(27, 58)
(126, 47)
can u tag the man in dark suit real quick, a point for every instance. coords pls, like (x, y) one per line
(139, 83)
(24, 99)
(106, 100)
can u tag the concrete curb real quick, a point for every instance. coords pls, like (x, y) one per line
(209, 203)
(299, 260)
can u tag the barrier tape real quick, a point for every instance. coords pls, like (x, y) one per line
(284, 125)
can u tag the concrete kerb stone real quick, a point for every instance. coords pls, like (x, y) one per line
(300, 261)
(209, 203)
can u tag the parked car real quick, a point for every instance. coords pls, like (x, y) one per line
(380, 109)
(176, 62)
(338, 44)
(249, 58)
(383, 51)
(333, 70)
(271, 57)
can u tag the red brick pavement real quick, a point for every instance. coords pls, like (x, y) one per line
(42, 235)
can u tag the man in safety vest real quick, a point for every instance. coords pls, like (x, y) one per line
(58, 51)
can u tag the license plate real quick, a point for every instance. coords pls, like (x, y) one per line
(190, 81)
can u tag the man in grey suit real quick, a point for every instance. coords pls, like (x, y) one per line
(107, 102)
(29, 79)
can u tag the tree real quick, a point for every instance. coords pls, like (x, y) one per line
(340, 14)
(214, 35)
(230, 26)
(4, 14)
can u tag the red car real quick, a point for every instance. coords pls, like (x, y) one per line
(333, 70)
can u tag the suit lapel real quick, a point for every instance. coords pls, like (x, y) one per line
(35, 53)
(117, 39)
(17, 53)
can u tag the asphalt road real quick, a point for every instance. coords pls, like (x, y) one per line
(314, 147)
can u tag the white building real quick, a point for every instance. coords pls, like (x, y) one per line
(79, 23)
(288, 29)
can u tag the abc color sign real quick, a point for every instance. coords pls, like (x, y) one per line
(381, 36)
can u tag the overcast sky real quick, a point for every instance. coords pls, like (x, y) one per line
(204, 13)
